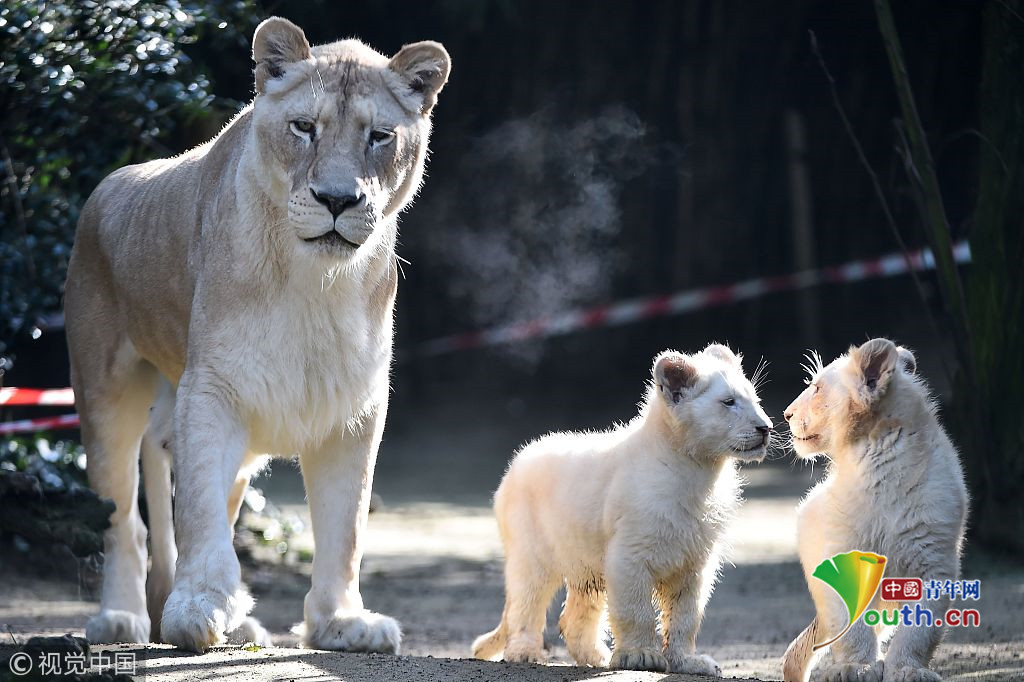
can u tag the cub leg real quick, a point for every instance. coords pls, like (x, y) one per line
(911, 648)
(113, 410)
(338, 476)
(581, 625)
(529, 587)
(682, 610)
(210, 442)
(631, 612)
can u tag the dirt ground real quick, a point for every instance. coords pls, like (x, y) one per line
(437, 568)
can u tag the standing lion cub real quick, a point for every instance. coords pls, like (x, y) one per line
(894, 487)
(627, 514)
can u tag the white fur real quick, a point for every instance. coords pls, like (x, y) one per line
(193, 280)
(894, 487)
(626, 515)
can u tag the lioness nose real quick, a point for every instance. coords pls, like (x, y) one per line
(338, 203)
(763, 430)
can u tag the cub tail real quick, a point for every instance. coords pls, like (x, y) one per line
(800, 657)
(490, 645)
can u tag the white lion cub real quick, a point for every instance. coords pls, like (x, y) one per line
(627, 514)
(895, 487)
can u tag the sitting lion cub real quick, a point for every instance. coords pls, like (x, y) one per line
(625, 514)
(895, 487)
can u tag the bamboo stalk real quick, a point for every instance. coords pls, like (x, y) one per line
(934, 214)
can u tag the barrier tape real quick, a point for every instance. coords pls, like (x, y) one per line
(624, 312)
(37, 396)
(65, 421)
(634, 310)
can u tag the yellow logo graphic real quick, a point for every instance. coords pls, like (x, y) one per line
(855, 576)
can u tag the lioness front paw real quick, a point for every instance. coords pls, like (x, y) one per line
(695, 664)
(194, 622)
(910, 674)
(854, 672)
(355, 631)
(639, 658)
(111, 625)
(250, 631)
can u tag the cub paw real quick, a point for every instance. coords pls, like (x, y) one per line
(695, 664)
(109, 626)
(524, 648)
(597, 657)
(250, 631)
(639, 658)
(910, 674)
(854, 672)
(355, 631)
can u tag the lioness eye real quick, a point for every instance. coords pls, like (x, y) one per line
(381, 136)
(303, 127)
(729, 402)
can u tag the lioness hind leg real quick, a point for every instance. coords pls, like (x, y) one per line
(113, 410)
(582, 628)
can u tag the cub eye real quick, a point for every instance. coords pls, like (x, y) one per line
(303, 127)
(381, 136)
(729, 402)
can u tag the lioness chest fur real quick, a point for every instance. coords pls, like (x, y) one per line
(895, 487)
(249, 283)
(628, 514)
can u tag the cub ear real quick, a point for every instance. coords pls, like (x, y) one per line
(907, 360)
(875, 360)
(674, 374)
(724, 353)
(424, 67)
(277, 43)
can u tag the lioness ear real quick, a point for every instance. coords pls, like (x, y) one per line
(277, 43)
(424, 66)
(674, 374)
(724, 353)
(875, 360)
(907, 359)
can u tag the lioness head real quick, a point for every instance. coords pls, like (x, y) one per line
(711, 399)
(842, 401)
(342, 131)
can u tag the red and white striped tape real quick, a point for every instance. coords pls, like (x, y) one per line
(634, 310)
(65, 421)
(624, 312)
(37, 396)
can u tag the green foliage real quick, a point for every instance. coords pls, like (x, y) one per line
(85, 86)
(59, 466)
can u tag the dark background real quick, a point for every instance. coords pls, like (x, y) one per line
(588, 152)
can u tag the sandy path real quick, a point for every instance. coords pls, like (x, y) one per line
(437, 569)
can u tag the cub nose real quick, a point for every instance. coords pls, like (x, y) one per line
(338, 203)
(787, 415)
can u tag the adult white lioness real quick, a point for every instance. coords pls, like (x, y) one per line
(257, 275)
(894, 487)
(626, 515)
